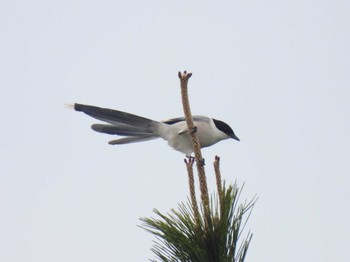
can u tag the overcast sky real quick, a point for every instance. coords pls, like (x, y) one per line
(276, 71)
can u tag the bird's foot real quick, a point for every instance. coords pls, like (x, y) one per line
(192, 159)
(194, 130)
(189, 160)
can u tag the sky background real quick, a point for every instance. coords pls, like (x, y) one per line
(276, 71)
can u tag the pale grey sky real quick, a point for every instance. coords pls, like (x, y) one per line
(276, 71)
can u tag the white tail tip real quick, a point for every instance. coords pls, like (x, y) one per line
(69, 106)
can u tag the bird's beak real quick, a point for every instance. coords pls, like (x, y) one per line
(235, 137)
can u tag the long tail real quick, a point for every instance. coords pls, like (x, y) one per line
(136, 128)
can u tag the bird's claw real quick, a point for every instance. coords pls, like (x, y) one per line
(191, 159)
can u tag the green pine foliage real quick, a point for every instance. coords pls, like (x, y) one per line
(212, 237)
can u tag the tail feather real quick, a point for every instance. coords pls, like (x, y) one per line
(134, 128)
(134, 139)
(121, 130)
(112, 116)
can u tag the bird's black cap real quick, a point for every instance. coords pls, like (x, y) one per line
(225, 128)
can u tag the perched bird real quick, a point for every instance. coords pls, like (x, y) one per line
(137, 129)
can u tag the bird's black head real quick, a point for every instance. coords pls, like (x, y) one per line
(225, 128)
